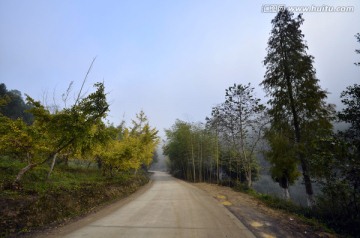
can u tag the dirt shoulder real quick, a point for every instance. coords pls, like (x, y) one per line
(263, 221)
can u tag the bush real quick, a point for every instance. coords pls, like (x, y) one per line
(338, 207)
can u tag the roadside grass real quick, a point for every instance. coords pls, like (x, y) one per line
(304, 214)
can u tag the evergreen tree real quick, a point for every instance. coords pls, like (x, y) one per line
(296, 98)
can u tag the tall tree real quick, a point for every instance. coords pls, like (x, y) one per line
(296, 97)
(357, 50)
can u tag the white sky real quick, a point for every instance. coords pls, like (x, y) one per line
(171, 58)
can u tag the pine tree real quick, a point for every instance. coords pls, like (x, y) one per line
(296, 98)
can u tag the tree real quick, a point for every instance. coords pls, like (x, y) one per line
(339, 202)
(358, 50)
(296, 97)
(23, 142)
(130, 148)
(147, 136)
(241, 122)
(351, 113)
(71, 129)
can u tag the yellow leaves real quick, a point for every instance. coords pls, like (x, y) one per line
(20, 140)
(133, 147)
(226, 203)
(223, 200)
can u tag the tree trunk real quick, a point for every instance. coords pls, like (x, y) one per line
(249, 179)
(217, 159)
(286, 193)
(193, 160)
(296, 124)
(308, 185)
(21, 174)
(52, 165)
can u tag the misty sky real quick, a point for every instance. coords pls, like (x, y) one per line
(171, 58)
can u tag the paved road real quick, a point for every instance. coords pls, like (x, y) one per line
(168, 208)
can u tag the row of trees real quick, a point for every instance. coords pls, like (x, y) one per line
(225, 147)
(75, 132)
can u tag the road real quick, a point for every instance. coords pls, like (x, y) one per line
(167, 208)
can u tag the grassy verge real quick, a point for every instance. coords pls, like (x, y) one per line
(306, 215)
(70, 192)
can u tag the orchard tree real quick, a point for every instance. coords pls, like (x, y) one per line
(70, 130)
(27, 143)
(296, 98)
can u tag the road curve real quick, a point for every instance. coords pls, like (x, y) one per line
(168, 208)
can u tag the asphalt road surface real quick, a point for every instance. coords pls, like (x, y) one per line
(167, 208)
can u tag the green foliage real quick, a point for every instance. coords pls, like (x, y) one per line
(191, 150)
(339, 204)
(351, 113)
(282, 157)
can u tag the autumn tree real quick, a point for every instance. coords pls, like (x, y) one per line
(130, 148)
(70, 129)
(23, 142)
(147, 136)
(296, 98)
